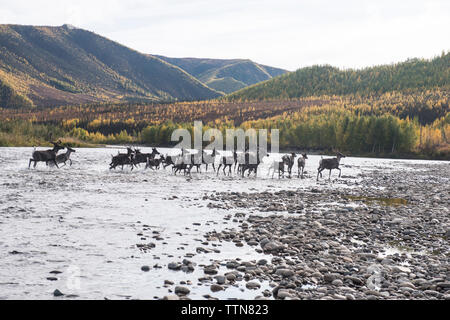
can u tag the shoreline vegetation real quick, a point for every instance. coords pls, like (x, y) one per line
(414, 124)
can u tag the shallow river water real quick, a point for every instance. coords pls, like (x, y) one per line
(76, 229)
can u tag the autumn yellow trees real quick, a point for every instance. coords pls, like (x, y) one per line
(392, 123)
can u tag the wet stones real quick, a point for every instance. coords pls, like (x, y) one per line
(181, 291)
(325, 245)
(285, 273)
(211, 269)
(400, 269)
(252, 285)
(447, 234)
(337, 283)
(232, 264)
(354, 280)
(57, 293)
(443, 286)
(216, 288)
(231, 276)
(55, 272)
(272, 246)
(220, 279)
(174, 266)
(144, 247)
(284, 294)
(330, 277)
(262, 262)
(185, 266)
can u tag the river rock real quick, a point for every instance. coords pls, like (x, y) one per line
(180, 290)
(330, 277)
(220, 279)
(57, 293)
(231, 277)
(285, 273)
(216, 287)
(262, 262)
(210, 269)
(174, 266)
(283, 294)
(252, 285)
(272, 246)
(337, 282)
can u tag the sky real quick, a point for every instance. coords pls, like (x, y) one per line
(281, 33)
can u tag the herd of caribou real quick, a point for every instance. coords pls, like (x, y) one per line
(242, 161)
(50, 156)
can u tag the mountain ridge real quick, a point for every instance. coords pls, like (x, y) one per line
(225, 75)
(57, 65)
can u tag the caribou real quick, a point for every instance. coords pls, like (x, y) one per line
(209, 159)
(46, 155)
(277, 166)
(301, 163)
(122, 159)
(64, 157)
(227, 162)
(140, 157)
(289, 161)
(330, 164)
(155, 162)
(251, 164)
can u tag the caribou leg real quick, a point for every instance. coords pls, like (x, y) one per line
(319, 171)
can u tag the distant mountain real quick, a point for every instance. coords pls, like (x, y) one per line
(225, 75)
(328, 80)
(46, 66)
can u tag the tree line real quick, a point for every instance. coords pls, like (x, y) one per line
(413, 74)
(392, 123)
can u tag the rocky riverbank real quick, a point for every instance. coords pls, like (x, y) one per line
(384, 236)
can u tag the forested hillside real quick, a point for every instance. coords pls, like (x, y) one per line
(47, 66)
(225, 75)
(391, 124)
(327, 80)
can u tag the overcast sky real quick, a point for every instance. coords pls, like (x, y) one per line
(281, 33)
